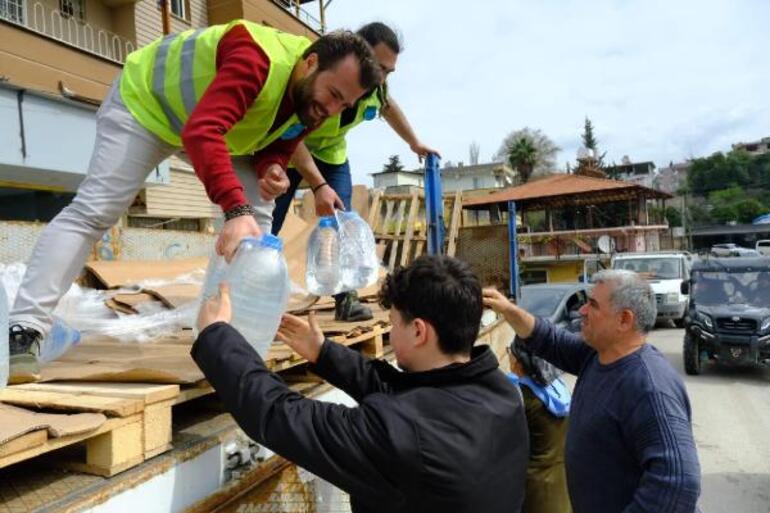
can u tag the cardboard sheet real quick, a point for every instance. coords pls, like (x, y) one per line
(101, 359)
(16, 422)
(117, 273)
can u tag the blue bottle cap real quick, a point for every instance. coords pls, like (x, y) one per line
(327, 222)
(271, 241)
(293, 131)
(370, 113)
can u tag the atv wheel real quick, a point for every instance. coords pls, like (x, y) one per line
(692, 363)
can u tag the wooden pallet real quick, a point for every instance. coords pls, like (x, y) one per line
(369, 343)
(398, 222)
(138, 415)
(138, 424)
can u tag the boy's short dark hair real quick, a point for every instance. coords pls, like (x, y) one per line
(442, 291)
(331, 48)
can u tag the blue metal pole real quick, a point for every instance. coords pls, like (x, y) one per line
(513, 247)
(434, 206)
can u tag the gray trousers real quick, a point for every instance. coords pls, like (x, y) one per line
(124, 154)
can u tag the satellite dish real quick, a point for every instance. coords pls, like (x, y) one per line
(606, 244)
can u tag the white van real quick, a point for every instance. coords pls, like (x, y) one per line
(763, 247)
(665, 271)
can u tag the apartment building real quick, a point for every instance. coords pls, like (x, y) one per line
(57, 61)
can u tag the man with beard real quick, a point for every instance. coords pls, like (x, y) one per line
(238, 98)
(322, 158)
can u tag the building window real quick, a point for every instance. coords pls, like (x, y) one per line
(179, 8)
(73, 8)
(12, 10)
(533, 276)
(476, 183)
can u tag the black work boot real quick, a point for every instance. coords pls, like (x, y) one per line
(348, 308)
(24, 347)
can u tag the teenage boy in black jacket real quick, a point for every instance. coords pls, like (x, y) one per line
(446, 434)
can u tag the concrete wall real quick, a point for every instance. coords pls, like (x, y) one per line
(17, 240)
(393, 179)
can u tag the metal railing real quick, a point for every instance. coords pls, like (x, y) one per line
(67, 29)
(299, 12)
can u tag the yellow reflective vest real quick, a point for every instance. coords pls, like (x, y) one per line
(162, 83)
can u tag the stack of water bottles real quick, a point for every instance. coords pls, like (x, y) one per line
(259, 288)
(341, 255)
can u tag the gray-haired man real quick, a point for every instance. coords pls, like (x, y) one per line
(629, 446)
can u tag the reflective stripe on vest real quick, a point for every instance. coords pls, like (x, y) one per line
(162, 83)
(186, 82)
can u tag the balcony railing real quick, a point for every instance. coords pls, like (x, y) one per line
(299, 12)
(66, 29)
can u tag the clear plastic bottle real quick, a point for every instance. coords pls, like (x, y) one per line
(58, 341)
(215, 272)
(358, 252)
(322, 275)
(259, 290)
(3, 337)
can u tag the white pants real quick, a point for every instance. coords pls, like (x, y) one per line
(124, 154)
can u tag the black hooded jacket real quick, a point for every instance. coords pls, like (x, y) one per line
(449, 439)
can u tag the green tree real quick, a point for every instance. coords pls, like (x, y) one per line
(394, 165)
(673, 216)
(720, 171)
(528, 151)
(734, 205)
(591, 143)
(749, 209)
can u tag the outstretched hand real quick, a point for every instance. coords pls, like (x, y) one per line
(305, 337)
(216, 308)
(522, 321)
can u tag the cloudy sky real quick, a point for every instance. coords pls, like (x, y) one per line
(661, 80)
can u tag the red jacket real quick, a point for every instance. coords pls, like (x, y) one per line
(242, 68)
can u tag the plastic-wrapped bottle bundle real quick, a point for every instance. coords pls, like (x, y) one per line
(3, 337)
(59, 340)
(358, 252)
(323, 266)
(259, 288)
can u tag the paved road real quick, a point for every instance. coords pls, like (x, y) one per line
(731, 420)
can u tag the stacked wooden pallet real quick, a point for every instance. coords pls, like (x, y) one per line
(132, 422)
(137, 422)
(398, 222)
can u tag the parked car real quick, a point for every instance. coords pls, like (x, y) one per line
(730, 249)
(665, 272)
(763, 247)
(557, 302)
(728, 316)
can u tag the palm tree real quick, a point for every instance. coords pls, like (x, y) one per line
(522, 156)
(528, 151)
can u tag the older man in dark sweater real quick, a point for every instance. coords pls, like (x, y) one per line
(446, 434)
(630, 446)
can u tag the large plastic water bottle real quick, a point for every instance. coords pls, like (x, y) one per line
(215, 273)
(322, 275)
(259, 290)
(358, 252)
(59, 340)
(3, 337)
